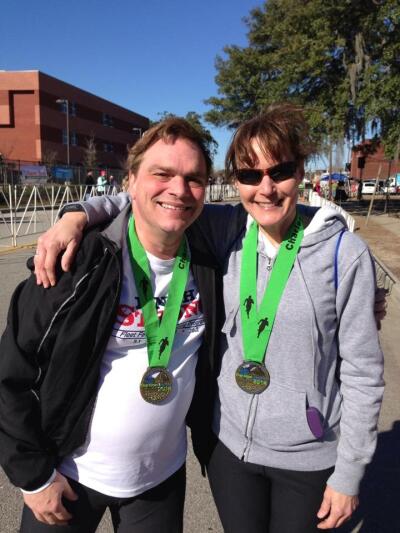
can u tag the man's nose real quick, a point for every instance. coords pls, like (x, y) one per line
(179, 186)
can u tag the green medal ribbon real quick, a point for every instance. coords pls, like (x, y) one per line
(257, 324)
(160, 334)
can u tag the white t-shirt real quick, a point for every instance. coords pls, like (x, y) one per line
(132, 445)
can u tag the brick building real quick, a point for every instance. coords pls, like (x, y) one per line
(372, 162)
(33, 125)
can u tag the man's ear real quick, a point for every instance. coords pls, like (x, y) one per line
(132, 185)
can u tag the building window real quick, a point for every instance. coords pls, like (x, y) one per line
(73, 140)
(107, 120)
(108, 147)
(63, 106)
(71, 107)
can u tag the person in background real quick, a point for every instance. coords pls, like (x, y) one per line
(317, 187)
(89, 183)
(101, 182)
(112, 181)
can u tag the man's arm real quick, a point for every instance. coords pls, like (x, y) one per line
(25, 451)
(361, 386)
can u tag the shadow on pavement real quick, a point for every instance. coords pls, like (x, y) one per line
(380, 490)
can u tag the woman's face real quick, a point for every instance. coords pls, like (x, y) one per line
(271, 203)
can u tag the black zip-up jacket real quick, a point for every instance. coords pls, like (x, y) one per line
(51, 351)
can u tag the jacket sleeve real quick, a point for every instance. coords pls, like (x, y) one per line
(100, 209)
(360, 372)
(25, 453)
(219, 226)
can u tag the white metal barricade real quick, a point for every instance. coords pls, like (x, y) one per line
(317, 201)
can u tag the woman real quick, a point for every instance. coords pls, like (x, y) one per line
(300, 382)
(300, 444)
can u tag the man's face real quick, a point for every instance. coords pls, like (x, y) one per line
(168, 190)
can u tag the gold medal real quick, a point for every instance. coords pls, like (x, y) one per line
(252, 377)
(156, 385)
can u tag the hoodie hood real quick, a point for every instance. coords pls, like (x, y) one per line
(320, 224)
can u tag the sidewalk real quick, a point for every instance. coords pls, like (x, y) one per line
(382, 233)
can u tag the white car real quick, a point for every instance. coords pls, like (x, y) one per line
(368, 187)
(390, 186)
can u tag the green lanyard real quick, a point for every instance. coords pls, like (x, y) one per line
(160, 334)
(257, 324)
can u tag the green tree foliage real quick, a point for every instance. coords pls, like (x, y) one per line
(195, 120)
(340, 59)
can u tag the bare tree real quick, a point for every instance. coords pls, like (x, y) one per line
(49, 158)
(90, 153)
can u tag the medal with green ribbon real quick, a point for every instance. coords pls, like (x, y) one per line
(156, 384)
(257, 323)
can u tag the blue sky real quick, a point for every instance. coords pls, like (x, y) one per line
(149, 56)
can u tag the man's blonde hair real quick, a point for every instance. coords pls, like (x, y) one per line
(169, 130)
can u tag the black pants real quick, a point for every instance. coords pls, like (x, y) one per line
(260, 499)
(158, 509)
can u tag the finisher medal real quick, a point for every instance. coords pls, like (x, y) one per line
(156, 385)
(258, 321)
(251, 377)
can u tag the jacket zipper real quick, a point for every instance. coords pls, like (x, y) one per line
(254, 400)
(63, 304)
(249, 427)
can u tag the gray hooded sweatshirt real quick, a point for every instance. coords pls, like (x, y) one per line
(323, 352)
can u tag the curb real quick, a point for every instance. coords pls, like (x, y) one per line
(12, 249)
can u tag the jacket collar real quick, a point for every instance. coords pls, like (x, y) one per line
(116, 231)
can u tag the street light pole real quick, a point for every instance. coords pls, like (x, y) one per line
(66, 102)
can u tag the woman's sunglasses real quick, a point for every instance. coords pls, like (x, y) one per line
(253, 176)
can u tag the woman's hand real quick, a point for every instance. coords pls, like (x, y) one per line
(66, 235)
(336, 508)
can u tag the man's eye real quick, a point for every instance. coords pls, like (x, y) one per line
(195, 181)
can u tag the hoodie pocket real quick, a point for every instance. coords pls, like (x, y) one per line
(281, 421)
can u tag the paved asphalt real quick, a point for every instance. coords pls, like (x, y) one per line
(380, 495)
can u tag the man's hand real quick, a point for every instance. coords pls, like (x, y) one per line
(47, 506)
(336, 508)
(380, 306)
(66, 235)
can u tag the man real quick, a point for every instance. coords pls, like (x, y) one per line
(98, 373)
(89, 182)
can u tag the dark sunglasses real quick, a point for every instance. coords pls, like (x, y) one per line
(253, 176)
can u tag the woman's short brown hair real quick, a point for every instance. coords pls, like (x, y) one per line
(168, 130)
(281, 130)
